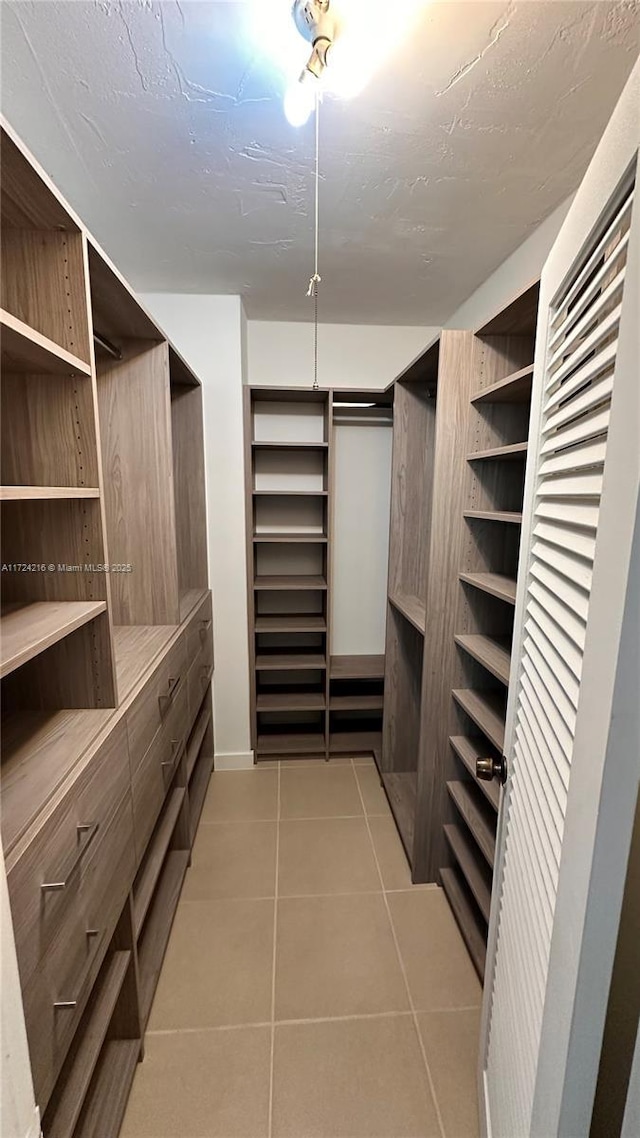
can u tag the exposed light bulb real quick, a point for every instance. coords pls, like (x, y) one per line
(299, 102)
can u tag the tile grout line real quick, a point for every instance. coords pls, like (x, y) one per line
(414, 1015)
(273, 970)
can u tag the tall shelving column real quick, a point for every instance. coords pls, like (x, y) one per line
(464, 716)
(412, 477)
(288, 464)
(57, 648)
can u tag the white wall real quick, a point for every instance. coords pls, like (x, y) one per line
(349, 355)
(209, 331)
(522, 268)
(362, 465)
(19, 1117)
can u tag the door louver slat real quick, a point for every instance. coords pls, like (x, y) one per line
(569, 460)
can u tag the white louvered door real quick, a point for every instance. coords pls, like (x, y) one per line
(567, 812)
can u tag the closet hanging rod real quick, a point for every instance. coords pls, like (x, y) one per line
(107, 346)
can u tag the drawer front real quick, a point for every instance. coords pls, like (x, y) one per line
(199, 629)
(198, 680)
(154, 705)
(61, 851)
(55, 996)
(154, 775)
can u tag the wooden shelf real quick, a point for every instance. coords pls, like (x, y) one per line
(290, 661)
(291, 538)
(28, 629)
(46, 493)
(492, 652)
(357, 667)
(356, 702)
(291, 701)
(474, 934)
(496, 584)
(153, 942)
(288, 446)
(411, 608)
(474, 872)
(65, 1109)
(280, 582)
(474, 815)
(487, 711)
(106, 1102)
(514, 452)
(147, 879)
(195, 739)
(494, 516)
(290, 493)
(468, 750)
(354, 742)
(135, 647)
(189, 598)
(402, 791)
(281, 622)
(25, 350)
(515, 388)
(291, 744)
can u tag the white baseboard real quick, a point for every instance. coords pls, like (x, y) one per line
(238, 761)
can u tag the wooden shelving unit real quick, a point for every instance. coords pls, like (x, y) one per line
(288, 482)
(305, 702)
(470, 612)
(105, 647)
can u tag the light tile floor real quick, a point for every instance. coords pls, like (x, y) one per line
(309, 990)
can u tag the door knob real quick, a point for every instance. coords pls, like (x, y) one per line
(489, 768)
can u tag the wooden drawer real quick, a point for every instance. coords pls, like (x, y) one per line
(63, 934)
(154, 705)
(198, 680)
(199, 630)
(153, 777)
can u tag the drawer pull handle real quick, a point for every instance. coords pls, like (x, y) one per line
(178, 747)
(69, 1005)
(174, 684)
(91, 831)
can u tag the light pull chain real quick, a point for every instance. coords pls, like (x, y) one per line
(314, 281)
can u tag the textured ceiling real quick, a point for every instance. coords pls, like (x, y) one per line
(162, 123)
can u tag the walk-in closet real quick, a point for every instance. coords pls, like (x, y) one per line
(320, 551)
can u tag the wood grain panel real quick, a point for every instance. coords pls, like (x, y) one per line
(189, 487)
(48, 435)
(29, 201)
(63, 533)
(138, 470)
(43, 285)
(441, 662)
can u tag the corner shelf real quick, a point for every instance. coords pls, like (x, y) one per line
(514, 388)
(494, 653)
(495, 584)
(411, 608)
(26, 350)
(26, 630)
